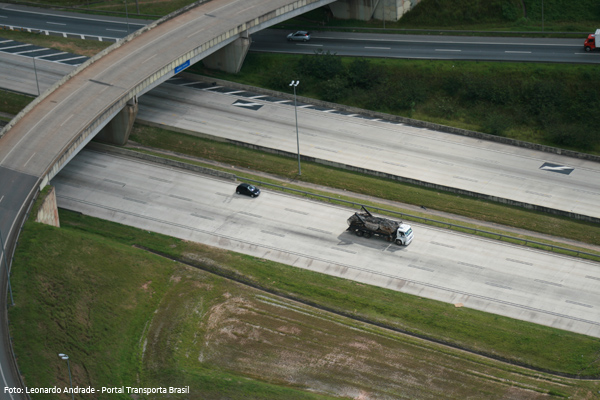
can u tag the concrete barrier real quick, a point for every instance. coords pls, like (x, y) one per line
(103, 148)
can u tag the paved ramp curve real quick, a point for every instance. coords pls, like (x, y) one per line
(37, 143)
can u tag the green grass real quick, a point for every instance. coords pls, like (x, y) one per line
(489, 15)
(357, 183)
(92, 294)
(13, 103)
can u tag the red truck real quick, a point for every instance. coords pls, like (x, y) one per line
(590, 42)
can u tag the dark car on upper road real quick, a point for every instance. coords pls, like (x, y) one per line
(300, 36)
(247, 189)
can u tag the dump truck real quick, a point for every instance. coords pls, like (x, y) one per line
(590, 43)
(366, 224)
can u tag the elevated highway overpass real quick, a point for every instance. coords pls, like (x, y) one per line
(46, 135)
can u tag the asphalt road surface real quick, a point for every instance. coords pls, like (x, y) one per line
(483, 274)
(429, 47)
(494, 169)
(83, 26)
(499, 170)
(386, 45)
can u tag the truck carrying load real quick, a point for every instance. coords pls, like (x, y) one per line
(367, 225)
(591, 41)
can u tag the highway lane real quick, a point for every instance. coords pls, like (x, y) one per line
(483, 274)
(430, 47)
(18, 74)
(451, 160)
(71, 24)
(430, 156)
(386, 45)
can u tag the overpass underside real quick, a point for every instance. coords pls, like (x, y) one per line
(366, 10)
(229, 55)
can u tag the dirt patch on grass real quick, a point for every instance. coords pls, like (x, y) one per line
(274, 340)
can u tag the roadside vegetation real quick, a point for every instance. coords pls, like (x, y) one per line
(129, 317)
(533, 16)
(542, 103)
(13, 103)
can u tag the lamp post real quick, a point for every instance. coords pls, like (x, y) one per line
(7, 271)
(294, 84)
(127, 17)
(36, 77)
(66, 357)
(542, 15)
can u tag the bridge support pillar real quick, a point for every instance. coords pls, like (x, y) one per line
(230, 57)
(118, 129)
(365, 10)
(48, 211)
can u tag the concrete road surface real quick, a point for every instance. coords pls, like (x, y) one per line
(494, 169)
(483, 274)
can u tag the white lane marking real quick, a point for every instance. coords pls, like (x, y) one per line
(1, 198)
(116, 30)
(30, 51)
(5, 383)
(446, 41)
(66, 120)
(14, 47)
(51, 55)
(247, 104)
(149, 58)
(447, 50)
(71, 17)
(306, 44)
(549, 168)
(73, 58)
(27, 162)
(520, 52)
(378, 48)
(55, 23)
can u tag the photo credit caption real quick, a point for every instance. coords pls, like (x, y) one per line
(102, 390)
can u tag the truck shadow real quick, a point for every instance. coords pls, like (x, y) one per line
(346, 239)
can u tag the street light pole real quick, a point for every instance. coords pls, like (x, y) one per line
(12, 301)
(127, 17)
(294, 84)
(66, 357)
(36, 77)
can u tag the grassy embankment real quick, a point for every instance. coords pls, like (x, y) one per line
(483, 15)
(128, 317)
(487, 15)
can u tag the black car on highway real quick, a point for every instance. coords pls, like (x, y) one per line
(247, 189)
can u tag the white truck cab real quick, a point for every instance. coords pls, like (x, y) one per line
(405, 234)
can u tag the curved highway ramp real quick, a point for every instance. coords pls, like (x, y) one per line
(43, 138)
